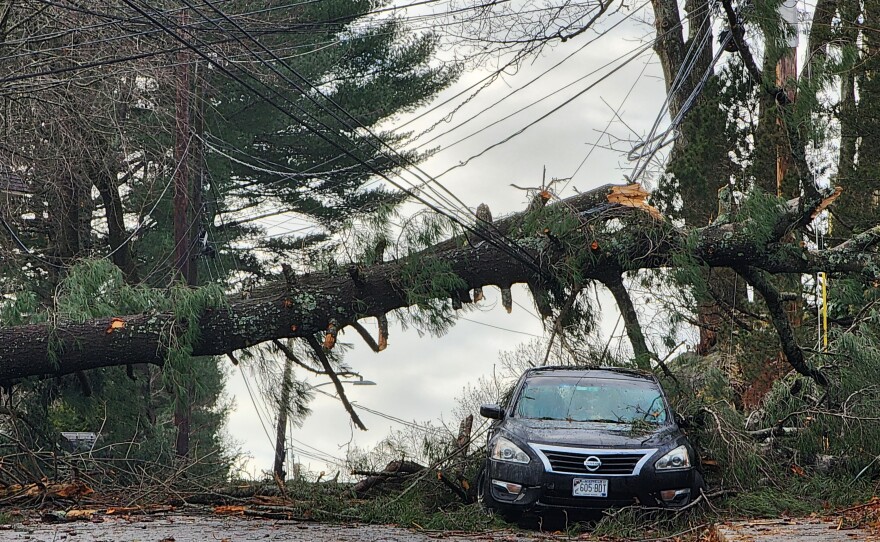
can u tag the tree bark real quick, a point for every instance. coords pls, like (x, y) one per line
(781, 322)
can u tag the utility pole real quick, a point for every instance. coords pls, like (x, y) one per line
(281, 427)
(182, 245)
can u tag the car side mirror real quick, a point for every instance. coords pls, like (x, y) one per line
(681, 421)
(492, 411)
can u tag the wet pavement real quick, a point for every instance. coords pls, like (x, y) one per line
(180, 528)
(801, 530)
(235, 529)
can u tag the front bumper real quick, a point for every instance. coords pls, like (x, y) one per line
(547, 490)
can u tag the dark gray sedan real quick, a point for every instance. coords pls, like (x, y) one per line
(574, 438)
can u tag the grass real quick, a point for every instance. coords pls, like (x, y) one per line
(429, 505)
(9, 517)
(795, 495)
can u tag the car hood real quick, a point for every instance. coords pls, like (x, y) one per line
(588, 434)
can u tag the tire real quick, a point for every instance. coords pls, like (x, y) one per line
(698, 487)
(489, 504)
(484, 494)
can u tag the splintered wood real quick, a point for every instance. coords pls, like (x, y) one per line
(633, 195)
(826, 202)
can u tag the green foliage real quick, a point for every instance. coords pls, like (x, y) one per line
(840, 421)
(765, 15)
(794, 495)
(633, 523)
(376, 71)
(715, 132)
(757, 213)
(429, 283)
(702, 391)
(122, 409)
(430, 505)
(24, 308)
(9, 517)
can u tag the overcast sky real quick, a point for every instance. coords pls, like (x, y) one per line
(419, 378)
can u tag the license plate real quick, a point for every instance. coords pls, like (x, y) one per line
(589, 487)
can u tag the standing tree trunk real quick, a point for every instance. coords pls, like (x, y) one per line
(182, 246)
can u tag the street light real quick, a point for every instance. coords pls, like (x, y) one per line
(359, 382)
(281, 434)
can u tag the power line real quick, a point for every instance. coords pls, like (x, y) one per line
(512, 252)
(529, 83)
(116, 21)
(638, 52)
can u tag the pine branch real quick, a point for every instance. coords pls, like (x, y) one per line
(793, 352)
(340, 391)
(288, 353)
(365, 335)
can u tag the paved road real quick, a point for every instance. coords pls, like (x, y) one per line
(237, 529)
(233, 529)
(802, 530)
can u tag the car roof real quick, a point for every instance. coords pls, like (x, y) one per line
(612, 373)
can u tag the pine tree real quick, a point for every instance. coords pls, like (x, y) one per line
(336, 75)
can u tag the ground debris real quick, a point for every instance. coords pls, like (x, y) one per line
(860, 522)
(45, 490)
(234, 528)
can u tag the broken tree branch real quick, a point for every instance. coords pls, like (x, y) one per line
(773, 299)
(288, 353)
(309, 305)
(738, 34)
(365, 335)
(643, 355)
(340, 391)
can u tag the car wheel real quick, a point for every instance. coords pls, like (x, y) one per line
(484, 495)
(698, 487)
(489, 504)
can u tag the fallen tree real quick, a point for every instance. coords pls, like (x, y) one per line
(606, 232)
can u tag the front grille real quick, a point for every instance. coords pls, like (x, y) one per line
(573, 462)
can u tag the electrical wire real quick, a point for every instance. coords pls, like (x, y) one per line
(492, 239)
(397, 157)
(106, 62)
(684, 72)
(637, 53)
(256, 408)
(615, 115)
(533, 80)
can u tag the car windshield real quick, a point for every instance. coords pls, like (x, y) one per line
(582, 399)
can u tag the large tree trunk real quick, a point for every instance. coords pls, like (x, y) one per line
(307, 306)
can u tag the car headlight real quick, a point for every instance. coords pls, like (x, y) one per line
(675, 459)
(504, 450)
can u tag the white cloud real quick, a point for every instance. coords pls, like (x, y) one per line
(419, 377)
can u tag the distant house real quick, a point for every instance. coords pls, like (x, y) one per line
(12, 183)
(78, 441)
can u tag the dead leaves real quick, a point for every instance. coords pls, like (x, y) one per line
(46, 490)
